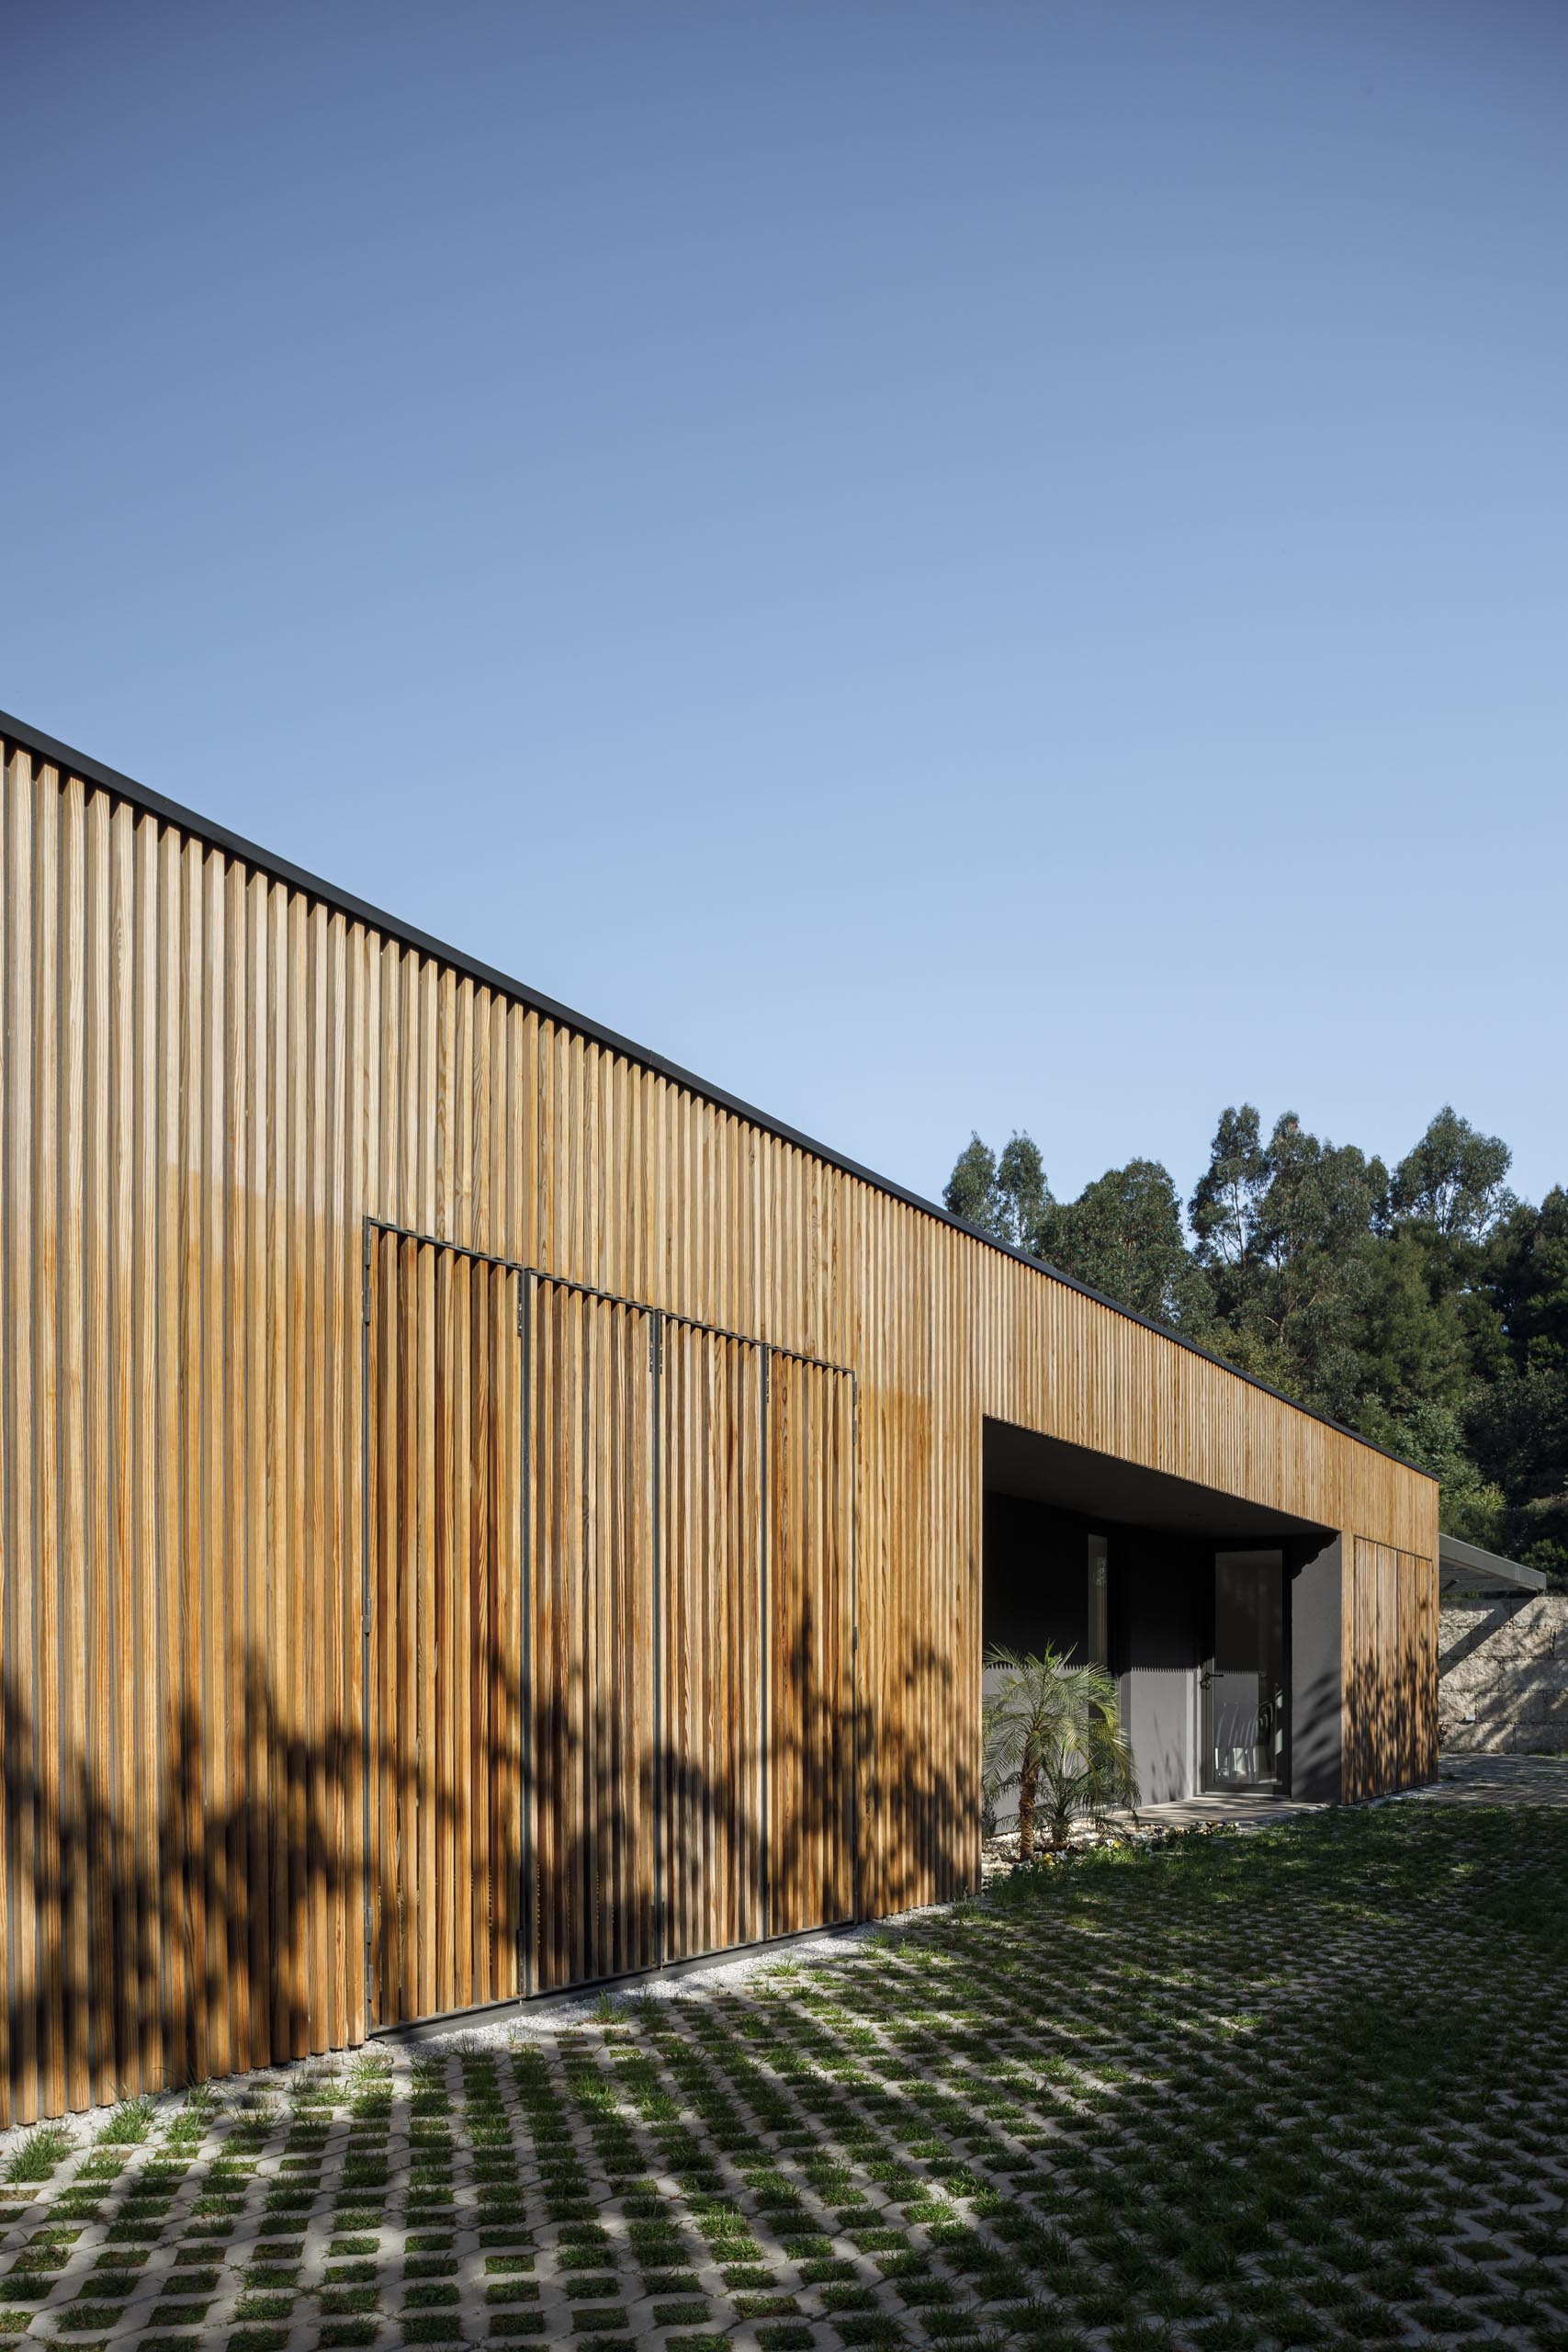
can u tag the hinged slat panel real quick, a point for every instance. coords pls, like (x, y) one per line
(811, 1670)
(444, 1745)
(712, 1748)
(591, 1548)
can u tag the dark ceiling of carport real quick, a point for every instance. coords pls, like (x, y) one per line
(1074, 1478)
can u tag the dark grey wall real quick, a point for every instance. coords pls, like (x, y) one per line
(1035, 1590)
(1034, 1585)
(1161, 1593)
(1156, 1599)
(1314, 1603)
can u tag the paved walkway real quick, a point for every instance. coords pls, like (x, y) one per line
(1499, 1780)
(1252, 1810)
(1463, 1779)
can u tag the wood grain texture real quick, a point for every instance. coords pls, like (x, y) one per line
(711, 1739)
(209, 1083)
(810, 1636)
(443, 1732)
(590, 1764)
(1388, 1667)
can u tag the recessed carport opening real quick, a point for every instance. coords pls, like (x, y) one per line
(1220, 1619)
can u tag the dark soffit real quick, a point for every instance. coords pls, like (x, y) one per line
(1103, 1486)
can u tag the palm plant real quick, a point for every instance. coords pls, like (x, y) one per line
(1053, 1731)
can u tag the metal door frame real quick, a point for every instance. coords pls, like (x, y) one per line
(1277, 1784)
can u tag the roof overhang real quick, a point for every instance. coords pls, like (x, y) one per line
(1465, 1567)
(1052, 1470)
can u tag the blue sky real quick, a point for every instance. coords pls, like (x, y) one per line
(943, 565)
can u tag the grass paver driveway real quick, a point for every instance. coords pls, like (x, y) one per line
(1306, 2085)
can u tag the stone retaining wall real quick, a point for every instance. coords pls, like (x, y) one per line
(1503, 1676)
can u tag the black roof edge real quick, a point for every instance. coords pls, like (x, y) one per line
(50, 749)
(1473, 1559)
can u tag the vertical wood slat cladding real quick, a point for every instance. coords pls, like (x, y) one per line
(810, 1612)
(1427, 1673)
(712, 1579)
(590, 1550)
(687, 1572)
(200, 1105)
(1390, 1650)
(444, 1728)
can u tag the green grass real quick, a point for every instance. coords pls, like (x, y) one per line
(130, 2122)
(1307, 2087)
(36, 2153)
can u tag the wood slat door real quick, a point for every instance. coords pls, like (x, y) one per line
(712, 1573)
(589, 1571)
(811, 1620)
(444, 1503)
(611, 1635)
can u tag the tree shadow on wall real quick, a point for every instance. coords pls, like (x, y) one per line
(170, 1920)
(862, 1813)
(1391, 1734)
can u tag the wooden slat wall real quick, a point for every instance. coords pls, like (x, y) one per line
(711, 1641)
(1390, 1667)
(209, 1083)
(810, 1618)
(590, 1550)
(671, 1508)
(1427, 1642)
(445, 1639)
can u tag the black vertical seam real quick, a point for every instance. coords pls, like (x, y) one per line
(1287, 1663)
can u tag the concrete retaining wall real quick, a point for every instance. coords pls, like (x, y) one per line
(1503, 1676)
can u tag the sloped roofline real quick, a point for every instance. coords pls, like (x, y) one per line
(55, 753)
(1463, 1566)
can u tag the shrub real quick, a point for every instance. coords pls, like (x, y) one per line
(1053, 1731)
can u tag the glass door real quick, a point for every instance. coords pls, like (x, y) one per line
(1243, 1685)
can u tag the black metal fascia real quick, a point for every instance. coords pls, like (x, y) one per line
(55, 753)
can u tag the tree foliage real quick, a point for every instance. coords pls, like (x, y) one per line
(1122, 1235)
(1427, 1308)
(1004, 1195)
